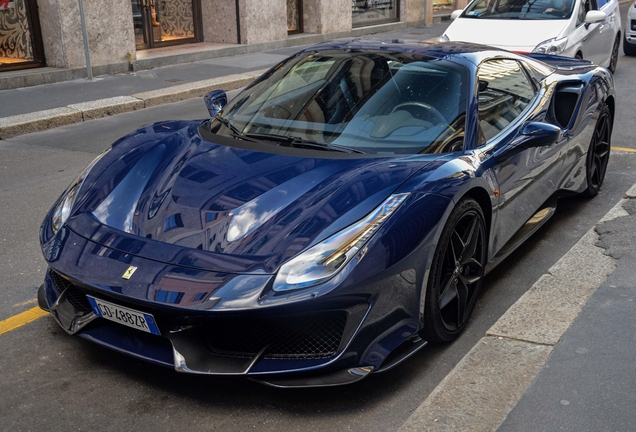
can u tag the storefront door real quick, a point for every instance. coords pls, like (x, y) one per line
(20, 37)
(160, 23)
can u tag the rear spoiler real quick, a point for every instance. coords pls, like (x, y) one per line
(561, 62)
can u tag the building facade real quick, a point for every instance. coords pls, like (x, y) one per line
(49, 32)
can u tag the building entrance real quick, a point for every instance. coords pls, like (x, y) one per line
(160, 23)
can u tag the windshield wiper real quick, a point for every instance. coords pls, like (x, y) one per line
(291, 141)
(236, 132)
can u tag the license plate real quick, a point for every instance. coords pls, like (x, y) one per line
(128, 317)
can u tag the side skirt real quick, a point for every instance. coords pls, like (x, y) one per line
(529, 228)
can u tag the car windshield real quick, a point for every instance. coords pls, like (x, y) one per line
(364, 101)
(520, 9)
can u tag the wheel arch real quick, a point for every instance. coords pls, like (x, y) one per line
(482, 197)
(611, 104)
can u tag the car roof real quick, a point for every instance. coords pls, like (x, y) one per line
(454, 51)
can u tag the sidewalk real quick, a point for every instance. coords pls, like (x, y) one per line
(126, 92)
(562, 357)
(589, 382)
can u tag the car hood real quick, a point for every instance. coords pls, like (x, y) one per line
(520, 35)
(167, 194)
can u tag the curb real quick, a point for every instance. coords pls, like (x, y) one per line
(48, 119)
(488, 382)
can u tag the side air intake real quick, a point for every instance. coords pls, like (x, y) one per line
(564, 103)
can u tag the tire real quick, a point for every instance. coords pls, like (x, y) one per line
(598, 153)
(456, 273)
(614, 58)
(628, 49)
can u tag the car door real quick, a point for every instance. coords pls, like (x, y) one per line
(579, 36)
(508, 97)
(610, 27)
(597, 45)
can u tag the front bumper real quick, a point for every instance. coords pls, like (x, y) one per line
(337, 339)
(630, 28)
(217, 345)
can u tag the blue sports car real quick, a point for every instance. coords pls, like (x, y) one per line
(333, 218)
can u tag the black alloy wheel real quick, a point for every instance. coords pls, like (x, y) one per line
(598, 153)
(614, 57)
(456, 273)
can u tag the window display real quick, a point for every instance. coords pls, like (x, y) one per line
(443, 6)
(294, 16)
(18, 47)
(370, 12)
(164, 22)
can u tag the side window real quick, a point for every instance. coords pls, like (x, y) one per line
(601, 3)
(504, 92)
(580, 19)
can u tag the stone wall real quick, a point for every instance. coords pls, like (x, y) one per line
(110, 32)
(263, 20)
(326, 16)
(219, 21)
(413, 10)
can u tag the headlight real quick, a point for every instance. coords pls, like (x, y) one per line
(551, 46)
(322, 261)
(64, 207)
(443, 38)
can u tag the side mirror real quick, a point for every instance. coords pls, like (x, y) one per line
(456, 14)
(215, 101)
(539, 134)
(595, 16)
(531, 135)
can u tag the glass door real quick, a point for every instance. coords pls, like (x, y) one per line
(160, 23)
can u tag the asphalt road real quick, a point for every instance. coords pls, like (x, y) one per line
(49, 380)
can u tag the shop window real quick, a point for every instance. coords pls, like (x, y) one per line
(294, 16)
(371, 12)
(20, 40)
(444, 6)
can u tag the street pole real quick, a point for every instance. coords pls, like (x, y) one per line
(87, 52)
(238, 22)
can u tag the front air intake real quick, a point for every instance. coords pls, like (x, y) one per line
(311, 335)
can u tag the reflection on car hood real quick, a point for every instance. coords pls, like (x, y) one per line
(166, 190)
(513, 35)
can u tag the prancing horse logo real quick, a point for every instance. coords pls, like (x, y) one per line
(128, 273)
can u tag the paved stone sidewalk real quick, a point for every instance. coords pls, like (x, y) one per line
(589, 382)
(561, 358)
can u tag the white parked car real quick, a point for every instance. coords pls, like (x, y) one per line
(588, 29)
(629, 40)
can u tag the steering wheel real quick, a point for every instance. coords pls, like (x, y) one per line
(433, 112)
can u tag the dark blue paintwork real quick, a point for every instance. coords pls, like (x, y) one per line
(214, 221)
